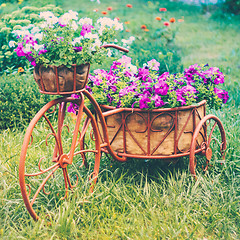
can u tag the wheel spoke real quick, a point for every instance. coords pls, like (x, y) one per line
(42, 185)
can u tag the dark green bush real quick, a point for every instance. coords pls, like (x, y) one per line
(13, 21)
(20, 100)
(232, 6)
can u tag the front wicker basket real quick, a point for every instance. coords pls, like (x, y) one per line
(61, 80)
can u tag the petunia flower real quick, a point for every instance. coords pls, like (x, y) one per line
(158, 101)
(86, 28)
(222, 94)
(161, 88)
(143, 102)
(153, 64)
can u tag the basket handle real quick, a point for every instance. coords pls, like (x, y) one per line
(116, 47)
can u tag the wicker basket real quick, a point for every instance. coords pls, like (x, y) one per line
(161, 132)
(61, 80)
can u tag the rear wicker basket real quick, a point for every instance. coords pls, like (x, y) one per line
(161, 132)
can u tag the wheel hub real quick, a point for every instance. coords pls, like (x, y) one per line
(208, 153)
(63, 160)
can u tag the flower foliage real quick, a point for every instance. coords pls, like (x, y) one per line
(125, 85)
(65, 40)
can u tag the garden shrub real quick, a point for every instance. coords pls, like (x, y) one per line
(20, 100)
(232, 6)
(17, 19)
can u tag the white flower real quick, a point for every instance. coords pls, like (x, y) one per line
(49, 17)
(39, 36)
(85, 21)
(91, 36)
(132, 38)
(46, 15)
(74, 26)
(97, 43)
(12, 44)
(27, 48)
(38, 47)
(77, 40)
(109, 52)
(104, 21)
(35, 30)
(98, 1)
(117, 25)
(21, 33)
(133, 69)
(128, 41)
(73, 14)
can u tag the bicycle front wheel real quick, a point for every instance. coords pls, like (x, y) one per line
(59, 149)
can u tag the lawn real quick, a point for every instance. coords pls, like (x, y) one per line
(144, 199)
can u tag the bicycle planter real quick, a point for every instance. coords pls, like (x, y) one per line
(57, 149)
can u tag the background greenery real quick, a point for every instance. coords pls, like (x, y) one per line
(140, 199)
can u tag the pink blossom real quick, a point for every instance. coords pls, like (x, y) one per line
(153, 64)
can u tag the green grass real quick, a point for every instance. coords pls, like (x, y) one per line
(138, 199)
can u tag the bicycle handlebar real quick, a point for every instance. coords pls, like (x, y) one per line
(116, 47)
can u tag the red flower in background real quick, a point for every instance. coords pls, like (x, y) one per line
(129, 5)
(172, 20)
(143, 27)
(127, 30)
(180, 20)
(109, 8)
(158, 18)
(104, 12)
(162, 9)
(166, 24)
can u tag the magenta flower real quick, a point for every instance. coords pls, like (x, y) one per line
(86, 28)
(77, 49)
(161, 88)
(158, 101)
(143, 102)
(143, 73)
(164, 76)
(222, 94)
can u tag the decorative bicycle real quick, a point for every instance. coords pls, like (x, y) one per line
(57, 145)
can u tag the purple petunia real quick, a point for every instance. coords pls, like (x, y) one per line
(222, 94)
(86, 28)
(143, 102)
(158, 101)
(161, 88)
(143, 73)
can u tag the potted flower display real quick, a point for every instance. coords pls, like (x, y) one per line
(161, 111)
(62, 48)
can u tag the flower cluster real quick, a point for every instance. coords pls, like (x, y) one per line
(66, 39)
(125, 85)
